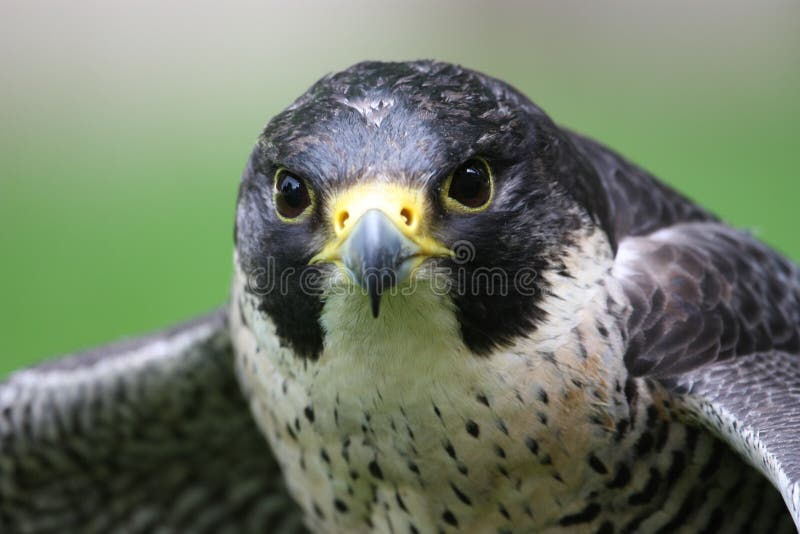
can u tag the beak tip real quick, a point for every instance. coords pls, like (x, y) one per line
(375, 303)
(374, 290)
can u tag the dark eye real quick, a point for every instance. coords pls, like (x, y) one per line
(292, 197)
(470, 187)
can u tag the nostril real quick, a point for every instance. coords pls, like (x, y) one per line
(407, 216)
(341, 219)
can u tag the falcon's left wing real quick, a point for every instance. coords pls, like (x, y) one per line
(149, 435)
(715, 316)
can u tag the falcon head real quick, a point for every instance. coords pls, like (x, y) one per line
(394, 194)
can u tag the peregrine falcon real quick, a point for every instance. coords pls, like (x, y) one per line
(447, 314)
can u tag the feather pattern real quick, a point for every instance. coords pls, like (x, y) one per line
(144, 435)
(715, 317)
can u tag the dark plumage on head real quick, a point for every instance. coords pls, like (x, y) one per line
(413, 124)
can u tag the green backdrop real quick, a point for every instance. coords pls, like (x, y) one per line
(123, 128)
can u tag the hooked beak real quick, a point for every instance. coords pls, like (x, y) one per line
(379, 238)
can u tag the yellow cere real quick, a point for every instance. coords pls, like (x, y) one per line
(404, 206)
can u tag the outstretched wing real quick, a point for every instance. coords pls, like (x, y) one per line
(150, 435)
(716, 317)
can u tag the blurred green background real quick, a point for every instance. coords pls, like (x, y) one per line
(124, 127)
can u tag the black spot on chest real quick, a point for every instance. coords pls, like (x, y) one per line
(472, 428)
(450, 518)
(375, 470)
(309, 413)
(340, 506)
(589, 513)
(597, 465)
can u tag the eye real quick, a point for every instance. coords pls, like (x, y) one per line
(292, 196)
(470, 188)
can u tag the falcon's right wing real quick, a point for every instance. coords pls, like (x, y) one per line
(715, 317)
(150, 435)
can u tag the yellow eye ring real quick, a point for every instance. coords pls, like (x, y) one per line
(470, 188)
(294, 200)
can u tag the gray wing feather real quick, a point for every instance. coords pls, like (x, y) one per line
(703, 293)
(754, 402)
(715, 316)
(150, 435)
